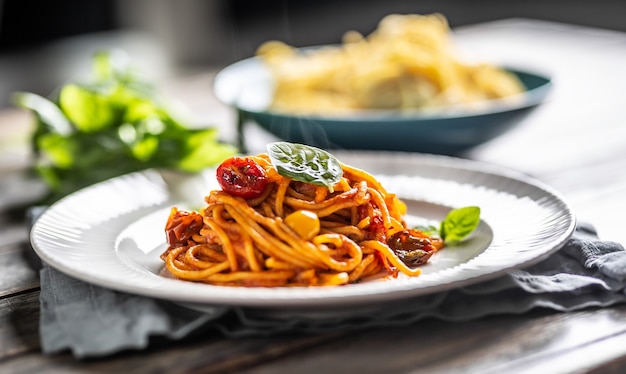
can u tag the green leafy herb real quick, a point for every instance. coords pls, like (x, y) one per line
(459, 223)
(115, 124)
(304, 163)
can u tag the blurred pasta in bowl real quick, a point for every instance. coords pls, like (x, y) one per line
(402, 87)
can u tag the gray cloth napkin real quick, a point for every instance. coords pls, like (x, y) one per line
(93, 321)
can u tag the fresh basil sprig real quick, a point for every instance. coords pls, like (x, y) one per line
(114, 123)
(306, 164)
(459, 223)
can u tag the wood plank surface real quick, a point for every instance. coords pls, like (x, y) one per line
(500, 344)
(19, 275)
(202, 355)
(19, 326)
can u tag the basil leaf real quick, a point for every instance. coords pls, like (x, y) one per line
(57, 149)
(306, 164)
(48, 112)
(90, 111)
(112, 65)
(459, 223)
(202, 149)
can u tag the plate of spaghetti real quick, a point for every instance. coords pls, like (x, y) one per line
(298, 226)
(404, 87)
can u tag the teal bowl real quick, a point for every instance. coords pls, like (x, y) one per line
(247, 87)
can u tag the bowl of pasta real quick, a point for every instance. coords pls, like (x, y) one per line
(402, 88)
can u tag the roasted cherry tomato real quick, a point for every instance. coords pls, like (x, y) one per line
(181, 226)
(412, 246)
(242, 176)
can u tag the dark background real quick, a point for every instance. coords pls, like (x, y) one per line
(44, 43)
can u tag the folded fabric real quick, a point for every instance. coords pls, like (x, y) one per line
(94, 321)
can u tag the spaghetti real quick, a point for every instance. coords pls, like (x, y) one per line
(409, 63)
(264, 228)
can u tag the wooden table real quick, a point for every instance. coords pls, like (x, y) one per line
(575, 142)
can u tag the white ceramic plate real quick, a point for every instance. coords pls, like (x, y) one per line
(111, 234)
